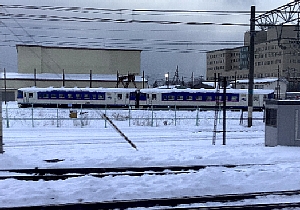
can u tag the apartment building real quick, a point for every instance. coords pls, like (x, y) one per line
(227, 62)
(277, 53)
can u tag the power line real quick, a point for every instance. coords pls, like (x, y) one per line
(55, 18)
(32, 51)
(123, 10)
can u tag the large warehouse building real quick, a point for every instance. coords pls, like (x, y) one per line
(77, 60)
(44, 66)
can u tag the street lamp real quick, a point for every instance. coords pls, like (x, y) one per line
(167, 79)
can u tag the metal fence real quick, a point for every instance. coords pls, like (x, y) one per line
(61, 117)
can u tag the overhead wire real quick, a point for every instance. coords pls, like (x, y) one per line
(123, 10)
(55, 18)
(32, 51)
(115, 43)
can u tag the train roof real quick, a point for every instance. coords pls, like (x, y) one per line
(63, 89)
(147, 90)
(202, 90)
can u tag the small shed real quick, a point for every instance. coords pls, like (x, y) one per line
(282, 125)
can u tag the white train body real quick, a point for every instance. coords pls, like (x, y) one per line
(151, 97)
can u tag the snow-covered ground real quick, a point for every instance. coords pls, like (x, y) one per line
(96, 144)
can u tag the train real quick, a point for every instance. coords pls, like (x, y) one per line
(140, 98)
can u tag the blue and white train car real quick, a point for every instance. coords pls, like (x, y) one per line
(152, 97)
(205, 98)
(76, 97)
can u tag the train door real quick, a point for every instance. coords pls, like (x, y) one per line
(152, 98)
(149, 99)
(126, 96)
(29, 97)
(137, 98)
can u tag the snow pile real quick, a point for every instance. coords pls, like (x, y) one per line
(97, 145)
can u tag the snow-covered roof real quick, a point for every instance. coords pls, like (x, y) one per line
(148, 90)
(260, 80)
(202, 90)
(212, 84)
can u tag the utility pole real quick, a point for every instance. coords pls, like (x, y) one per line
(224, 110)
(34, 71)
(251, 67)
(1, 130)
(91, 78)
(4, 88)
(278, 85)
(63, 78)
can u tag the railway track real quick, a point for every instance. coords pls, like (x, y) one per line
(227, 201)
(48, 174)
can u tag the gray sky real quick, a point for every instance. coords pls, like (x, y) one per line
(164, 46)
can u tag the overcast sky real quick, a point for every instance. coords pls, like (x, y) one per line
(164, 46)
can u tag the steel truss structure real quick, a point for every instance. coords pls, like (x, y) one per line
(286, 14)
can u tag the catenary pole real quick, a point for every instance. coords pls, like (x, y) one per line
(1, 130)
(224, 110)
(251, 67)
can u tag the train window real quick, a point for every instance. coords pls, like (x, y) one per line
(198, 98)
(78, 96)
(165, 98)
(153, 96)
(61, 95)
(119, 96)
(234, 98)
(30, 95)
(255, 98)
(70, 96)
(171, 98)
(100, 97)
(179, 98)
(20, 94)
(45, 95)
(86, 96)
(127, 95)
(189, 98)
(53, 95)
(209, 98)
(94, 96)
